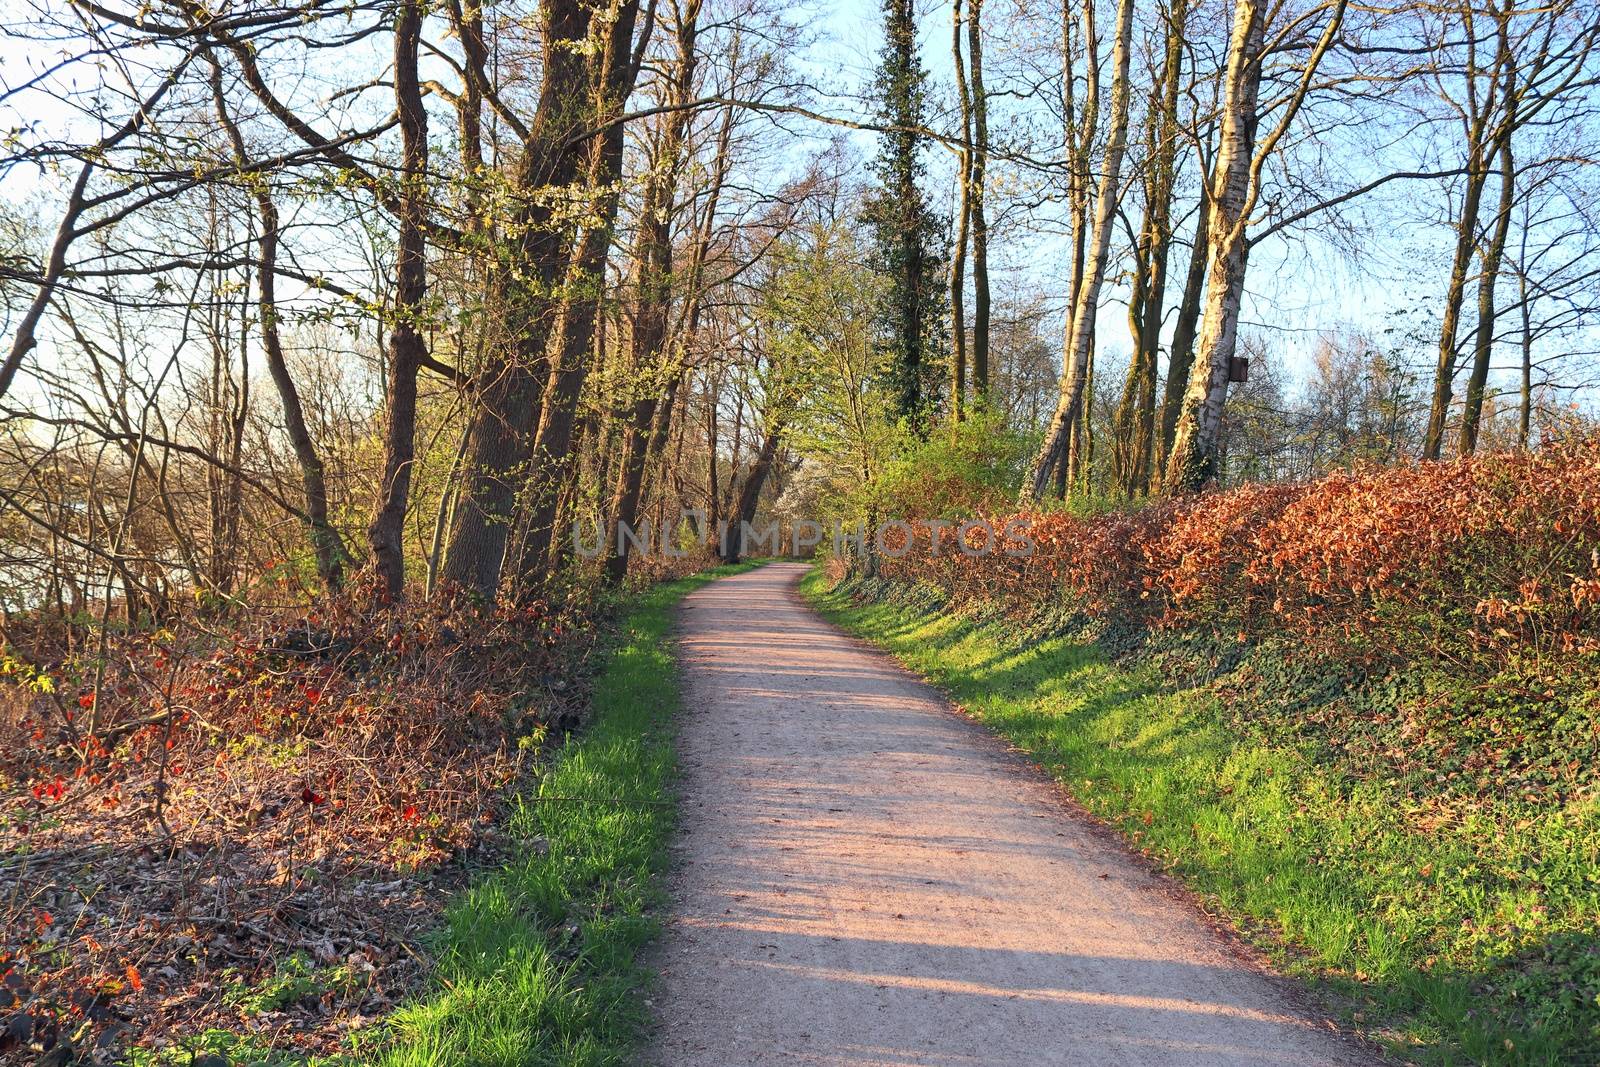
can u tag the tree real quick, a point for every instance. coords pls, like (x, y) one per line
(1235, 188)
(1135, 429)
(527, 271)
(906, 237)
(1075, 373)
(407, 349)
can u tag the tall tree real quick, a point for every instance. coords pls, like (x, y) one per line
(1075, 372)
(526, 275)
(1477, 112)
(906, 236)
(654, 379)
(326, 544)
(573, 346)
(1135, 430)
(407, 349)
(958, 252)
(978, 211)
(1236, 186)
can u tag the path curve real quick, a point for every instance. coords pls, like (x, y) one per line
(863, 876)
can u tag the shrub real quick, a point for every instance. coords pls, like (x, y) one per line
(1488, 563)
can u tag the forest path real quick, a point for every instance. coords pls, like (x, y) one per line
(864, 876)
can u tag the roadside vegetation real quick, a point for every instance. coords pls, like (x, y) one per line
(539, 961)
(315, 818)
(356, 357)
(1360, 715)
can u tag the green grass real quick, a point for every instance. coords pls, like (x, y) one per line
(1469, 943)
(538, 963)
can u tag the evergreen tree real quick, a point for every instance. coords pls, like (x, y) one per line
(908, 241)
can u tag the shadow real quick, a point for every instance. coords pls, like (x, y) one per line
(1533, 999)
(864, 876)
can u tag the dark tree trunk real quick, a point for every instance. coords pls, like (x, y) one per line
(406, 346)
(979, 219)
(572, 350)
(325, 542)
(500, 432)
(1185, 330)
(744, 512)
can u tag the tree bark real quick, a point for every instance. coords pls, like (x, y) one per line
(1478, 151)
(525, 284)
(979, 219)
(1192, 462)
(572, 350)
(1181, 358)
(1136, 430)
(406, 345)
(1494, 254)
(750, 493)
(1483, 346)
(325, 542)
(1236, 185)
(650, 419)
(1075, 368)
(958, 253)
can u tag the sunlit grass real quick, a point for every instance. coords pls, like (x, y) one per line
(1469, 944)
(538, 963)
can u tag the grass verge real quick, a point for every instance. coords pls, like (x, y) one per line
(1467, 943)
(538, 961)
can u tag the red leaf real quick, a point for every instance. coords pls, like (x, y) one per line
(308, 797)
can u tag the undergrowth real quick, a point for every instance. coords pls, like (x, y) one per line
(1450, 910)
(538, 961)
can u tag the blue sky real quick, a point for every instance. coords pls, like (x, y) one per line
(1299, 285)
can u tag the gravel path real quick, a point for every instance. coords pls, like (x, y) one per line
(863, 876)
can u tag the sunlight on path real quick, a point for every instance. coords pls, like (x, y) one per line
(865, 877)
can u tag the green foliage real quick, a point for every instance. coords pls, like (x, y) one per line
(908, 241)
(1457, 934)
(815, 310)
(218, 1047)
(294, 979)
(971, 468)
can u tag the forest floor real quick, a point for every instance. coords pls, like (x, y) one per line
(359, 879)
(865, 876)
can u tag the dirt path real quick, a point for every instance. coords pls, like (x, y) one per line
(866, 877)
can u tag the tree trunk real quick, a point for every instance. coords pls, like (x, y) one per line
(1192, 462)
(406, 346)
(624, 509)
(651, 416)
(958, 253)
(1455, 294)
(1236, 185)
(979, 219)
(1181, 359)
(1160, 181)
(573, 347)
(750, 494)
(1075, 368)
(1494, 254)
(1525, 420)
(325, 542)
(1483, 347)
(501, 429)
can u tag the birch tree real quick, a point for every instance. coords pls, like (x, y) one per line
(1079, 337)
(1235, 189)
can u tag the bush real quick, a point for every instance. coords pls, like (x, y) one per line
(1489, 563)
